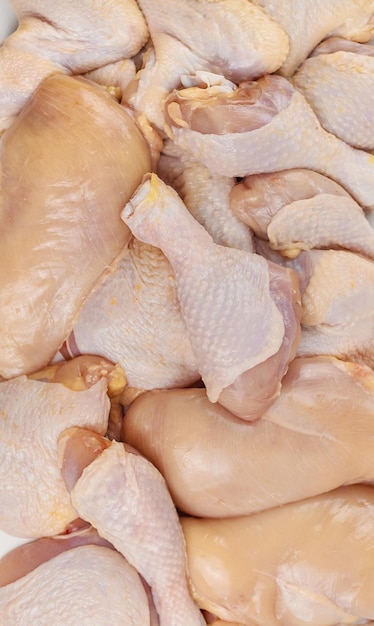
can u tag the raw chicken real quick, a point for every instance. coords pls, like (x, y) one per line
(122, 495)
(134, 319)
(114, 76)
(60, 223)
(206, 196)
(216, 465)
(90, 585)
(338, 305)
(67, 37)
(250, 307)
(310, 562)
(264, 126)
(300, 209)
(307, 23)
(230, 37)
(33, 498)
(339, 86)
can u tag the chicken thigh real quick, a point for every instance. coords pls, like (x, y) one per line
(339, 86)
(123, 495)
(216, 465)
(307, 23)
(67, 37)
(301, 209)
(260, 127)
(60, 223)
(33, 498)
(250, 307)
(310, 562)
(89, 585)
(230, 37)
(134, 319)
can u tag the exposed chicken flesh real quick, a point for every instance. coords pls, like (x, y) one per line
(261, 127)
(337, 303)
(123, 495)
(206, 196)
(33, 498)
(60, 224)
(304, 563)
(307, 23)
(67, 37)
(226, 290)
(218, 466)
(134, 319)
(230, 37)
(301, 209)
(90, 585)
(339, 86)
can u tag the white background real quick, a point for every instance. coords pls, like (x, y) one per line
(7, 19)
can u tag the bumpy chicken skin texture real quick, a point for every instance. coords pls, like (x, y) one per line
(339, 86)
(304, 563)
(301, 209)
(307, 23)
(225, 290)
(218, 466)
(134, 319)
(89, 585)
(231, 37)
(34, 501)
(68, 37)
(124, 496)
(59, 216)
(268, 126)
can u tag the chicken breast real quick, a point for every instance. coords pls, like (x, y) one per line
(216, 465)
(304, 563)
(59, 216)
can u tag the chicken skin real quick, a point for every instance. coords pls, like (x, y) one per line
(232, 292)
(309, 562)
(260, 127)
(68, 38)
(60, 224)
(216, 465)
(126, 499)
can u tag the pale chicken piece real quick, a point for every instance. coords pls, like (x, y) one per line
(310, 562)
(89, 585)
(68, 165)
(241, 313)
(230, 37)
(33, 497)
(126, 499)
(65, 37)
(339, 86)
(261, 127)
(134, 319)
(338, 305)
(216, 465)
(206, 196)
(307, 23)
(114, 76)
(301, 209)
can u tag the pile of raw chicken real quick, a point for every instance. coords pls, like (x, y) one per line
(187, 313)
